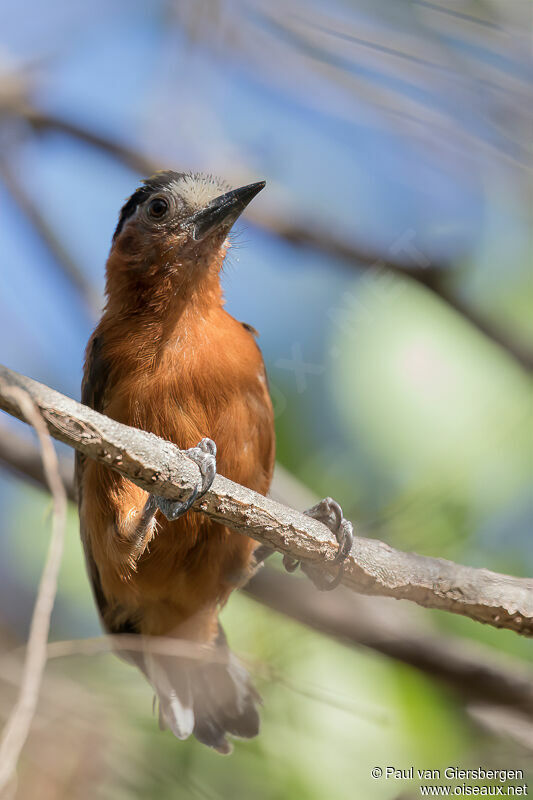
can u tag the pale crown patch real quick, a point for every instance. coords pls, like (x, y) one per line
(198, 190)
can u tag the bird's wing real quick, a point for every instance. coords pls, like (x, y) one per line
(250, 329)
(93, 391)
(269, 456)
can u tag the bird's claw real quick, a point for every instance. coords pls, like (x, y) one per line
(204, 455)
(329, 512)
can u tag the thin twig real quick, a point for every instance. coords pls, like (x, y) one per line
(108, 643)
(18, 725)
(372, 567)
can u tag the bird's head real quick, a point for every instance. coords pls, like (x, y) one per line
(175, 228)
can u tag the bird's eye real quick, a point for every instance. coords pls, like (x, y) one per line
(157, 208)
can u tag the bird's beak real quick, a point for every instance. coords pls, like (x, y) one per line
(223, 211)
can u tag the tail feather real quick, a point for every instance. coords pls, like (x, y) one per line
(176, 707)
(209, 725)
(208, 697)
(226, 703)
(241, 717)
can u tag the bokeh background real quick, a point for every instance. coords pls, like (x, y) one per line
(387, 267)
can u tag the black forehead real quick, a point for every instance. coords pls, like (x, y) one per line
(150, 186)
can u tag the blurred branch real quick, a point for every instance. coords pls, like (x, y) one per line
(442, 9)
(18, 725)
(473, 671)
(500, 723)
(42, 121)
(438, 283)
(21, 456)
(372, 567)
(401, 262)
(67, 264)
(372, 84)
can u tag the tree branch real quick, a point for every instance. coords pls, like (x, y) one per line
(475, 671)
(372, 567)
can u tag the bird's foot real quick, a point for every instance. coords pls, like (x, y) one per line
(204, 454)
(261, 554)
(330, 513)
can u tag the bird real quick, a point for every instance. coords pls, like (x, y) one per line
(167, 357)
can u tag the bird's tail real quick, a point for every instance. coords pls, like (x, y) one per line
(208, 694)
